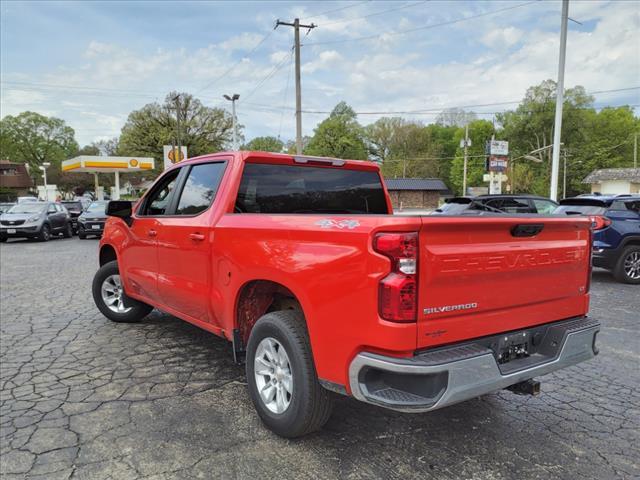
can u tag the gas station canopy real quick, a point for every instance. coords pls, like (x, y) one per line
(98, 164)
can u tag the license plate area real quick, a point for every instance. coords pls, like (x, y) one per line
(512, 347)
(11, 230)
(95, 227)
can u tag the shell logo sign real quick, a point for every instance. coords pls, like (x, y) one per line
(133, 162)
(173, 155)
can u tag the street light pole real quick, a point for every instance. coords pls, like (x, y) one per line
(557, 128)
(233, 99)
(43, 167)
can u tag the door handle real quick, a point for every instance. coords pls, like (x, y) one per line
(152, 233)
(198, 237)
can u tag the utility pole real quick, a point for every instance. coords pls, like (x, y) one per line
(564, 180)
(233, 99)
(177, 100)
(296, 27)
(466, 159)
(557, 126)
(635, 151)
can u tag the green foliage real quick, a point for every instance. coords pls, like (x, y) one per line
(202, 129)
(480, 131)
(32, 139)
(339, 136)
(264, 144)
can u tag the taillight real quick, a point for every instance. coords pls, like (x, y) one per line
(398, 292)
(598, 222)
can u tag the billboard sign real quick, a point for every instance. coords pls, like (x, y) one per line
(171, 155)
(498, 164)
(499, 147)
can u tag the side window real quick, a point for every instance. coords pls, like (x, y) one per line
(159, 198)
(544, 207)
(200, 188)
(515, 205)
(52, 208)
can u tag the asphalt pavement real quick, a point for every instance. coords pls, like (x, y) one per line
(84, 398)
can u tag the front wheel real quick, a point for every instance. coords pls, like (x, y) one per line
(281, 376)
(627, 268)
(110, 298)
(68, 232)
(45, 233)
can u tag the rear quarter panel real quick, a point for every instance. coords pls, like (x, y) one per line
(332, 270)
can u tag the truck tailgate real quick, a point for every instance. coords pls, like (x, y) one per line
(487, 275)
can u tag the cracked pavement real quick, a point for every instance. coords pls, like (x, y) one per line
(84, 398)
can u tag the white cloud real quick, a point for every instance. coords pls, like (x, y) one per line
(502, 37)
(326, 60)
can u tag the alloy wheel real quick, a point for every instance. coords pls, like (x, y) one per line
(113, 294)
(632, 265)
(272, 371)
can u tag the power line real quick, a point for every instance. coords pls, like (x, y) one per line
(270, 74)
(349, 20)
(284, 100)
(338, 9)
(226, 72)
(424, 27)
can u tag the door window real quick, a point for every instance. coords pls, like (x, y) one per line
(52, 208)
(515, 205)
(200, 188)
(544, 207)
(159, 198)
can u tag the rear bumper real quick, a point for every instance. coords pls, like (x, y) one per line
(605, 257)
(443, 377)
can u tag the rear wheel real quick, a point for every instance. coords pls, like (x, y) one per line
(281, 376)
(110, 298)
(45, 233)
(627, 268)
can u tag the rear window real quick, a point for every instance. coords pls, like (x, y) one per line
(72, 205)
(295, 189)
(580, 210)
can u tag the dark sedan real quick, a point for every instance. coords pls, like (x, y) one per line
(92, 220)
(75, 209)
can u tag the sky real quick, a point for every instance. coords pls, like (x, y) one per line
(92, 63)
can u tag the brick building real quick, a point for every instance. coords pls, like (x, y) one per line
(416, 193)
(14, 180)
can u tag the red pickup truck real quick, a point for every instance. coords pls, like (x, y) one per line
(299, 262)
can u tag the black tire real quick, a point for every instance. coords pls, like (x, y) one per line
(138, 310)
(310, 404)
(3, 239)
(68, 232)
(81, 234)
(629, 254)
(45, 233)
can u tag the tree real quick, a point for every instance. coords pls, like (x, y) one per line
(107, 147)
(479, 132)
(265, 144)
(32, 139)
(339, 136)
(202, 129)
(455, 117)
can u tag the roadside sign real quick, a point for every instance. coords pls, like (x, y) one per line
(171, 155)
(499, 147)
(498, 164)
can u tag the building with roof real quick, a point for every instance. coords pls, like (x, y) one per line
(14, 180)
(614, 181)
(416, 193)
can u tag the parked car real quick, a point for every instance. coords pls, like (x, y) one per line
(497, 204)
(5, 206)
(74, 208)
(91, 221)
(616, 238)
(299, 262)
(27, 199)
(38, 220)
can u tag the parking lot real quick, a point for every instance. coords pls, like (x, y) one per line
(82, 397)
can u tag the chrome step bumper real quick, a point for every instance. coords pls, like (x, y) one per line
(447, 376)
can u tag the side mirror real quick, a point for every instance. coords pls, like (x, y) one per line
(120, 208)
